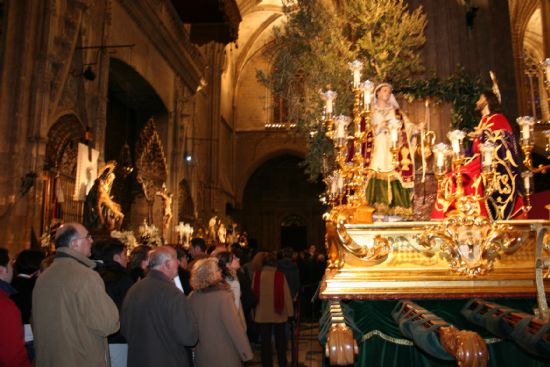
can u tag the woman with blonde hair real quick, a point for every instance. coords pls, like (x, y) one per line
(218, 321)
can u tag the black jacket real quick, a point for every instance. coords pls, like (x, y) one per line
(117, 283)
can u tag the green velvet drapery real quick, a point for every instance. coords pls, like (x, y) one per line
(382, 345)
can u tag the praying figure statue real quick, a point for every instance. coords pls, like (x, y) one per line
(167, 208)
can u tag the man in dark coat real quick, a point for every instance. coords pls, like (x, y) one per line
(117, 280)
(156, 318)
(290, 270)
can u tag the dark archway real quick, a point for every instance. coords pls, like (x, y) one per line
(277, 197)
(294, 232)
(132, 101)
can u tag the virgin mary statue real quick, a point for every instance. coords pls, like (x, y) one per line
(391, 176)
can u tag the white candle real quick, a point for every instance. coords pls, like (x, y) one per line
(367, 86)
(342, 123)
(340, 182)
(329, 96)
(329, 106)
(356, 67)
(440, 152)
(456, 137)
(526, 123)
(525, 133)
(456, 146)
(367, 97)
(527, 181)
(487, 150)
(356, 78)
(333, 186)
(440, 160)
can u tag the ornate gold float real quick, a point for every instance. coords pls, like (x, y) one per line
(388, 261)
(465, 255)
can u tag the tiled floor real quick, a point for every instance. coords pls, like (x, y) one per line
(310, 352)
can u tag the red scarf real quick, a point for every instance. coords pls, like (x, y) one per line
(278, 290)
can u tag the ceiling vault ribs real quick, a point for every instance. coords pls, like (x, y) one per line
(244, 55)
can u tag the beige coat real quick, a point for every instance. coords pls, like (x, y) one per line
(72, 314)
(222, 338)
(265, 309)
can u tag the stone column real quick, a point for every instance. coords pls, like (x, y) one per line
(545, 17)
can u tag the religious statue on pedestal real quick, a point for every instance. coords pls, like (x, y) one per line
(389, 155)
(167, 208)
(212, 229)
(100, 210)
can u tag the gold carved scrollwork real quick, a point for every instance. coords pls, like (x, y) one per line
(470, 243)
(335, 260)
(373, 253)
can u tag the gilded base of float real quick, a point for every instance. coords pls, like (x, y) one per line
(407, 272)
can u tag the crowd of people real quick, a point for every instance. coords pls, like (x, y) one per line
(92, 303)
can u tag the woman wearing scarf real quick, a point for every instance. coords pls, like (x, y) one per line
(273, 309)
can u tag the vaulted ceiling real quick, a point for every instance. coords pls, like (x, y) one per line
(210, 20)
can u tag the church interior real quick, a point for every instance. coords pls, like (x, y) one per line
(157, 110)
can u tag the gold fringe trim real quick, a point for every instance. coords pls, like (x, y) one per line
(407, 342)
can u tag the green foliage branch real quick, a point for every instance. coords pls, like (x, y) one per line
(461, 89)
(312, 50)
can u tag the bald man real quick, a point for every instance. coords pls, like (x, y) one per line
(72, 313)
(156, 318)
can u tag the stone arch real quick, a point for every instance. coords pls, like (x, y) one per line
(278, 192)
(132, 103)
(63, 138)
(521, 12)
(533, 73)
(248, 170)
(60, 168)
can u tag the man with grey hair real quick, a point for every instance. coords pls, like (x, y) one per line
(72, 313)
(156, 318)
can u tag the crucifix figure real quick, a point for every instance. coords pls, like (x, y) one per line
(167, 208)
